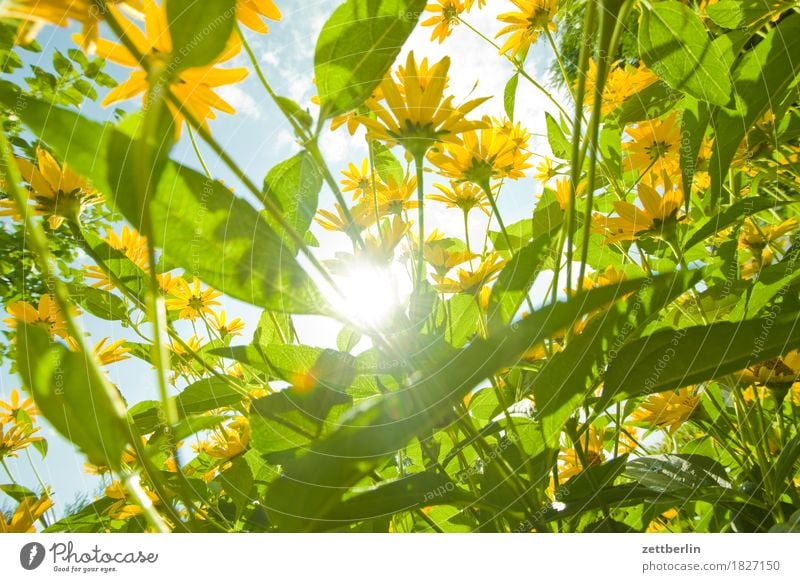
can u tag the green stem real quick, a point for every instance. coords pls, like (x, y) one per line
(420, 271)
(8, 471)
(567, 231)
(199, 155)
(308, 140)
(518, 68)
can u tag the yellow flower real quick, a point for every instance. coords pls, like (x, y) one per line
(468, 4)
(443, 260)
(17, 437)
(668, 410)
(481, 155)
(57, 191)
(416, 113)
(29, 510)
(658, 216)
(193, 87)
(113, 352)
(778, 371)
(122, 508)
(394, 197)
(191, 301)
(622, 82)
(381, 248)
(757, 238)
(231, 440)
(472, 281)
(358, 181)
(236, 370)
(362, 214)
(14, 411)
(168, 282)
(445, 16)
(226, 328)
(47, 315)
(36, 13)
(524, 26)
(250, 13)
(563, 192)
(655, 146)
(591, 442)
(661, 522)
(464, 195)
(610, 276)
(131, 244)
(545, 171)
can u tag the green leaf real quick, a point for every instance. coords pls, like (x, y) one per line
(565, 380)
(199, 30)
(298, 364)
(675, 45)
(17, 492)
(292, 109)
(347, 339)
(555, 137)
(293, 186)
(207, 394)
(510, 96)
(592, 479)
(356, 47)
(376, 428)
(414, 491)
(761, 80)
(273, 328)
(694, 120)
(665, 473)
(294, 417)
(462, 320)
(386, 164)
(100, 303)
(772, 281)
(731, 215)
(73, 396)
(192, 215)
(671, 359)
(237, 481)
(517, 277)
(736, 13)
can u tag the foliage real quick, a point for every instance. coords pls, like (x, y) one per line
(624, 358)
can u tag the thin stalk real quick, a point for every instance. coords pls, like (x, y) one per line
(559, 60)
(466, 237)
(577, 161)
(8, 471)
(518, 68)
(307, 139)
(199, 155)
(420, 271)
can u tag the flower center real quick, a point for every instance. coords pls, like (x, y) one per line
(658, 149)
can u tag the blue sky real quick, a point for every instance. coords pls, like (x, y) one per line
(258, 138)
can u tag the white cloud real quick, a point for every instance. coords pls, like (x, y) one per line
(240, 100)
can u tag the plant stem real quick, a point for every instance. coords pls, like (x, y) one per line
(199, 155)
(420, 270)
(8, 471)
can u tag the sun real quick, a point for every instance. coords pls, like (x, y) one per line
(372, 294)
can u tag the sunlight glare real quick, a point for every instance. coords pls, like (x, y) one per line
(372, 293)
